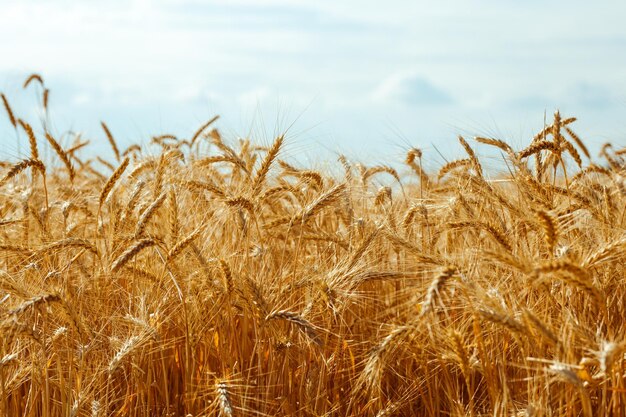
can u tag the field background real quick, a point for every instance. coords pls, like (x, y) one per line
(216, 277)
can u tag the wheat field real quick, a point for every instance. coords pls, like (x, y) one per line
(209, 277)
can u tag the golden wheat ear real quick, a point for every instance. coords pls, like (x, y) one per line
(202, 128)
(62, 156)
(111, 140)
(261, 174)
(20, 166)
(113, 179)
(9, 110)
(434, 289)
(31, 78)
(32, 140)
(131, 252)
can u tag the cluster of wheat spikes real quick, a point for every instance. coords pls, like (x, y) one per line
(212, 279)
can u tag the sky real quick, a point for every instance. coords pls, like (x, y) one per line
(366, 78)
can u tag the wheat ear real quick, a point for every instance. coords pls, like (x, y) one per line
(108, 186)
(111, 140)
(322, 201)
(180, 246)
(303, 324)
(62, 155)
(433, 289)
(472, 156)
(223, 399)
(9, 111)
(129, 253)
(22, 165)
(147, 215)
(202, 128)
(266, 164)
(34, 152)
(33, 77)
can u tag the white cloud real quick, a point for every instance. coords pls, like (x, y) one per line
(252, 98)
(81, 99)
(591, 95)
(412, 90)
